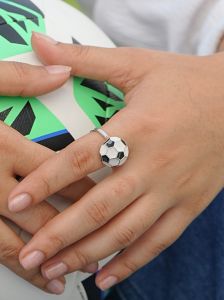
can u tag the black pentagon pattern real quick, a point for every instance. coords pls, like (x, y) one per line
(110, 144)
(105, 159)
(120, 155)
(25, 120)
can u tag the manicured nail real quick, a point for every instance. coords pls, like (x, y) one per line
(19, 202)
(55, 271)
(58, 69)
(108, 283)
(32, 260)
(91, 268)
(45, 37)
(56, 287)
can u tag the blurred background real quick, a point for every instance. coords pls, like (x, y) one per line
(73, 2)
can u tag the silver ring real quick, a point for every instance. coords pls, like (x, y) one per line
(114, 152)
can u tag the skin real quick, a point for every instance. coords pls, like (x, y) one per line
(173, 124)
(18, 156)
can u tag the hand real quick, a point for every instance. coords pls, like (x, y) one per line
(173, 124)
(18, 156)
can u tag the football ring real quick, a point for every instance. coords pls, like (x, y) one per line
(114, 152)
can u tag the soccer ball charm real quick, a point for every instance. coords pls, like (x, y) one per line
(114, 152)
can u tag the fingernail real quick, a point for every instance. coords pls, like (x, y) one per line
(56, 287)
(58, 69)
(55, 270)
(108, 283)
(91, 268)
(45, 37)
(32, 260)
(19, 202)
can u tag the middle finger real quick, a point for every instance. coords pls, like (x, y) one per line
(95, 209)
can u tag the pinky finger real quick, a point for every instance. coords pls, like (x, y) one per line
(159, 237)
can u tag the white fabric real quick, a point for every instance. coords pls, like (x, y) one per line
(184, 26)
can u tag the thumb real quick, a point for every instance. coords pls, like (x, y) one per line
(119, 66)
(20, 79)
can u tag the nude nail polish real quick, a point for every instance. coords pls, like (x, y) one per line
(58, 69)
(55, 270)
(19, 202)
(32, 260)
(56, 287)
(108, 282)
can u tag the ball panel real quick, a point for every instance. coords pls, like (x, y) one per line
(103, 150)
(119, 146)
(112, 153)
(114, 162)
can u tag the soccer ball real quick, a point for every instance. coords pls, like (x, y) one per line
(56, 119)
(114, 152)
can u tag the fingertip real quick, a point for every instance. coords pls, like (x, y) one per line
(38, 36)
(19, 202)
(56, 287)
(41, 44)
(107, 282)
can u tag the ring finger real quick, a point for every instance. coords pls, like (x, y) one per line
(118, 234)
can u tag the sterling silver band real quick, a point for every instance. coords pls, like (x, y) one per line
(101, 132)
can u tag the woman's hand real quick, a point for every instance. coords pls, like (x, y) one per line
(174, 126)
(19, 157)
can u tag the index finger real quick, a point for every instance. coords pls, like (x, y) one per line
(73, 163)
(19, 79)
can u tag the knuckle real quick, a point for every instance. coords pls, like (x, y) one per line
(98, 213)
(81, 52)
(56, 241)
(193, 209)
(80, 259)
(125, 186)
(80, 159)
(21, 74)
(126, 77)
(45, 186)
(158, 249)
(163, 160)
(125, 237)
(130, 266)
(8, 252)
